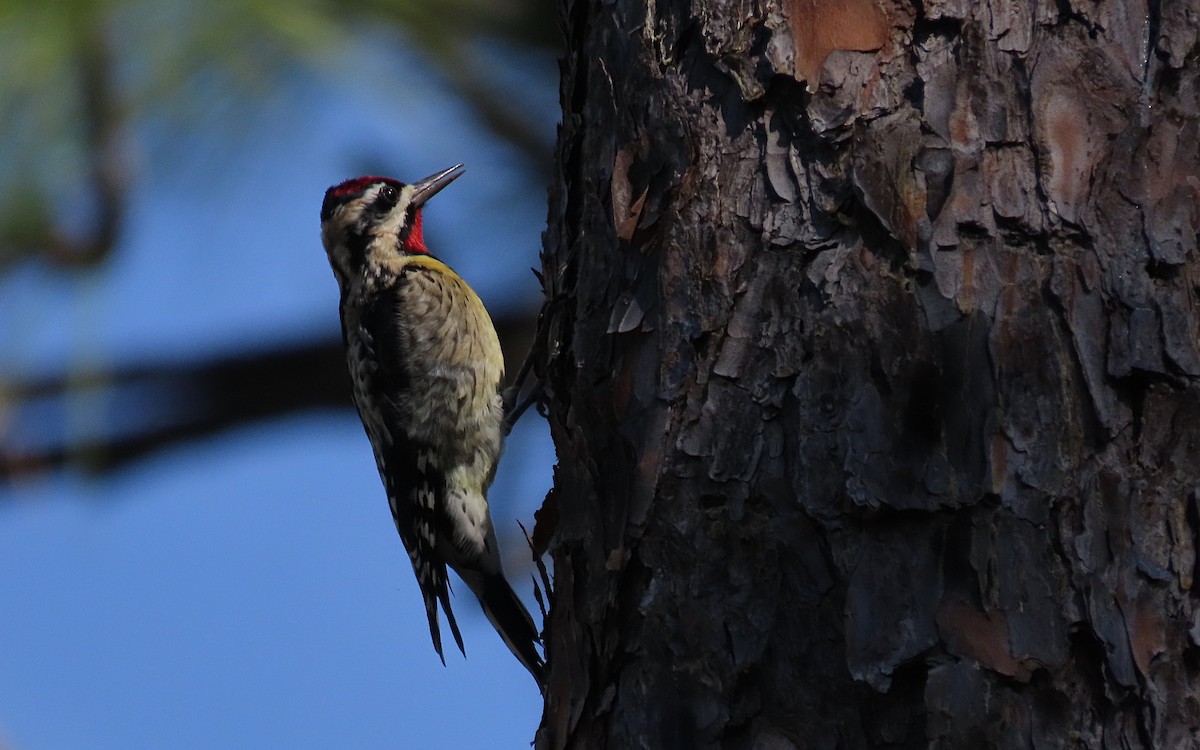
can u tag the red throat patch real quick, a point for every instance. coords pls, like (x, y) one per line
(415, 241)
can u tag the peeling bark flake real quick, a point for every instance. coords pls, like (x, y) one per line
(821, 26)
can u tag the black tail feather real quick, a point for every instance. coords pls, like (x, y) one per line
(514, 624)
(441, 593)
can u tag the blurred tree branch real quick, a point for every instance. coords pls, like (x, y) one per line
(103, 141)
(153, 407)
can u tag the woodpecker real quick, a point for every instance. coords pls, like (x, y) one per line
(426, 367)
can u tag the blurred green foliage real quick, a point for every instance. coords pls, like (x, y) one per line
(74, 75)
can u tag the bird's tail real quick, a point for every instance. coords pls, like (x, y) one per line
(513, 622)
(435, 589)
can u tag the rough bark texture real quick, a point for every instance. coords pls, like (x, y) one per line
(876, 395)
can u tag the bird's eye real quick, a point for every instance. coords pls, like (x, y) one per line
(389, 193)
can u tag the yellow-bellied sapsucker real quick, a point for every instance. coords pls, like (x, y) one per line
(426, 366)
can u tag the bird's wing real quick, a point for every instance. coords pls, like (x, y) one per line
(414, 482)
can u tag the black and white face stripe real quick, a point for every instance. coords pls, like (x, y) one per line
(387, 196)
(374, 219)
(357, 212)
(354, 190)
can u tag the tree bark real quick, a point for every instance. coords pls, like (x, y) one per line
(871, 356)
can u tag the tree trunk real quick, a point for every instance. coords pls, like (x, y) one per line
(871, 356)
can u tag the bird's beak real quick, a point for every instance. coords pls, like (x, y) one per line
(431, 185)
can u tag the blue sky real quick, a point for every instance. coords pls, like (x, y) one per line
(250, 590)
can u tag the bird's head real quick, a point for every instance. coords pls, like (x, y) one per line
(367, 216)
